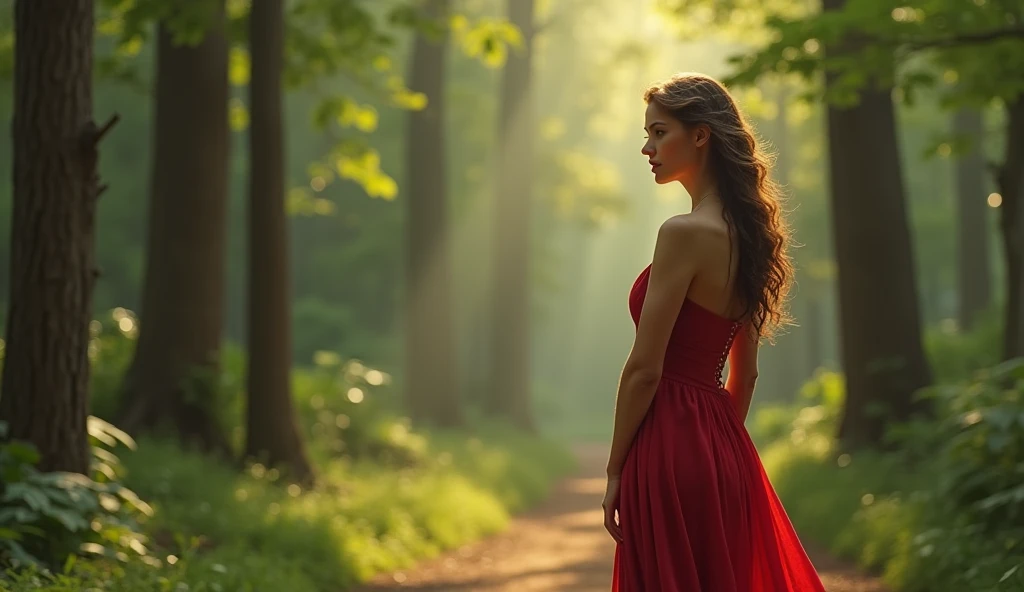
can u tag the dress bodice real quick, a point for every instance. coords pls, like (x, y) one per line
(700, 341)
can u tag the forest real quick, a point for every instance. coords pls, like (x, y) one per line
(313, 295)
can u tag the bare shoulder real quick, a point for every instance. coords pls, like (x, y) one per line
(687, 231)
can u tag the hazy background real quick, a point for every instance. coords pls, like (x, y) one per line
(596, 208)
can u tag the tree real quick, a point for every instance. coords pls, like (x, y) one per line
(975, 45)
(431, 378)
(46, 373)
(1010, 181)
(271, 432)
(509, 389)
(880, 334)
(174, 375)
(974, 275)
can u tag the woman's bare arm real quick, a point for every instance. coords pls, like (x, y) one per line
(674, 265)
(743, 369)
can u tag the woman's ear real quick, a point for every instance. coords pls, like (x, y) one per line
(703, 135)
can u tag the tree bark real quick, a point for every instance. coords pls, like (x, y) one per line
(55, 189)
(431, 377)
(271, 432)
(174, 375)
(974, 274)
(880, 326)
(1010, 180)
(509, 393)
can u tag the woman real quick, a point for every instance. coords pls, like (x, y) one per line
(688, 501)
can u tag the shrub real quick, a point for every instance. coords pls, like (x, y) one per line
(47, 516)
(942, 513)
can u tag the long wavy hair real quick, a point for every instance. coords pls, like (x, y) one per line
(751, 200)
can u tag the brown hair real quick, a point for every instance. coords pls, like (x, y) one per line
(750, 198)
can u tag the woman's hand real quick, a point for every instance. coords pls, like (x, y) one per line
(611, 506)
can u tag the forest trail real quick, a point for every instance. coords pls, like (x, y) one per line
(560, 546)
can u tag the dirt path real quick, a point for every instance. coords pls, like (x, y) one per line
(559, 547)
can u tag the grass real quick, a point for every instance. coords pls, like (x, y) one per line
(889, 516)
(218, 529)
(387, 495)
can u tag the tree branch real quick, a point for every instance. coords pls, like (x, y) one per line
(977, 38)
(106, 128)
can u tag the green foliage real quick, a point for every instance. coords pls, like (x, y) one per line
(956, 355)
(488, 40)
(325, 41)
(819, 404)
(46, 517)
(130, 21)
(742, 20)
(942, 513)
(349, 410)
(220, 569)
(885, 40)
(220, 530)
(979, 433)
(388, 495)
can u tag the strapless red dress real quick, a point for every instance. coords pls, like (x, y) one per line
(697, 511)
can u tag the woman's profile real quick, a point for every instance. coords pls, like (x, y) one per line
(688, 501)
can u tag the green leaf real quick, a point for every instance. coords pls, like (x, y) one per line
(69, 565)
(9, 534)
(135, 501)
(1008, 573)
(22, 453)
(33, 497)
(70, 520)
(19, 554)
(999, 441)
(18, 515)
(1002, 417)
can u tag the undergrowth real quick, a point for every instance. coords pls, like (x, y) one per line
(944, 512)
(387, 495)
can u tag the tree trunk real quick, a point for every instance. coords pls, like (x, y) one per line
(174, 375)
(509, 390)
(431, 377)
(974, 274)
(1010, 179)
(55, 188)
(880, 332)
(271, 432)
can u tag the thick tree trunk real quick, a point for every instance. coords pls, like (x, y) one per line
(173, 377)
(431, 376)
(509, 392)
(271, 432)
(46, 372)
(1010, 180)
(974, 274)
(881, 350)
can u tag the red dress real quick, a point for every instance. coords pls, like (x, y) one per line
(697, 511)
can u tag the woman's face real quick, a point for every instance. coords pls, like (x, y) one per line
(671, 147)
